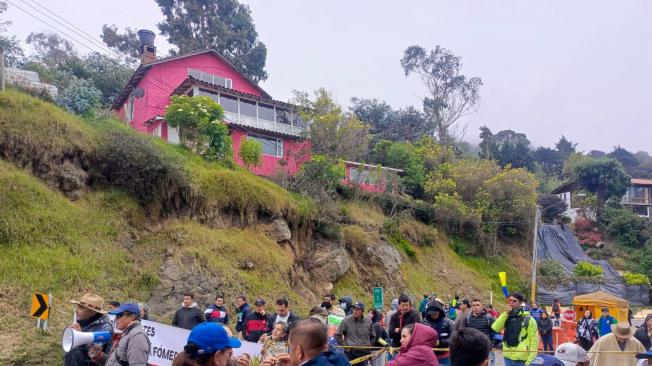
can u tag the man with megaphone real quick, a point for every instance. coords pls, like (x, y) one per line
(132, 347)
(90, 317)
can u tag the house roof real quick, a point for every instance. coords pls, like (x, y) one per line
(143, 69)
(641, 181)
(372, 166)
(566, 187)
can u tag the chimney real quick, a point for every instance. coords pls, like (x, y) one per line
(146, 50)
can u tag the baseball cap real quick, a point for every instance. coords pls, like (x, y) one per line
(259, 302)
(570, 354)
(211, 337)
(547, 360)
(126, 307)
(358, 305)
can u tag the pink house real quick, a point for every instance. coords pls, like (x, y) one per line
(249, 111)
(370, 178)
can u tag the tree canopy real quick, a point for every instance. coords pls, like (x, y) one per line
(451, 95)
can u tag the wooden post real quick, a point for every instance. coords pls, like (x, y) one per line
(533, 290)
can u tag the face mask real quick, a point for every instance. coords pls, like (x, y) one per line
(343, 306)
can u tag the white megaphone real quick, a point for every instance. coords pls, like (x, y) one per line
(72, 338)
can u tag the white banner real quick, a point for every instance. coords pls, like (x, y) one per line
(168, 341)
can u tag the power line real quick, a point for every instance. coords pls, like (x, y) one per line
(156, 81)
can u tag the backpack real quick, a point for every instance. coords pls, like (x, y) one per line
(513, 338)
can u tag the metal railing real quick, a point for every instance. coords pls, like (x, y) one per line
(263, 124)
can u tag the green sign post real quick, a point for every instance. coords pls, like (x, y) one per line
(378, 297)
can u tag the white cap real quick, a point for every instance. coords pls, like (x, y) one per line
(570, 354)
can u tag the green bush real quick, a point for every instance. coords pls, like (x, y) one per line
(636, 279)
(552, 273)
(251, 152)
(587, 272)
(625, 227)
(395, 237)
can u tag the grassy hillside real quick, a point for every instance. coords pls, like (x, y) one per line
(91, 206)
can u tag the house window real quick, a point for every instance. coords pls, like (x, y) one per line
(265, 112)
(229, 103)
(641, 210)
(157, 130)
(362, 176)
(637, 194)
(248, 108)
(208, 93)
(282, 116)
(130, 108)
(271, 145)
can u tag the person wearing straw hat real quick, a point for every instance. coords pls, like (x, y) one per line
(90, 316)
(616, 348)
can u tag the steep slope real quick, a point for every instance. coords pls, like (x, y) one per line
(90, 206)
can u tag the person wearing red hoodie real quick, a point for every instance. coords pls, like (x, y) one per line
(417, 342)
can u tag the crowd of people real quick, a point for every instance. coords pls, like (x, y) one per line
(461, 332)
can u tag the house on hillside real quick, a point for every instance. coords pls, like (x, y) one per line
(638, 198)
(249, 111)
(371, 178)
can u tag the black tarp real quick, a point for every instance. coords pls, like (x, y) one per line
(557, 242)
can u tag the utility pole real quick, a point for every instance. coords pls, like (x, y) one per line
(2, 70)
(537, 217)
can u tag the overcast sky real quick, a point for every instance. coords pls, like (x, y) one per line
(578, 68)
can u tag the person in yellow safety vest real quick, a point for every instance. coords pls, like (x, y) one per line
(520, 333)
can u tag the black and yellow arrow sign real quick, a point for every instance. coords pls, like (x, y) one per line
(40, 306)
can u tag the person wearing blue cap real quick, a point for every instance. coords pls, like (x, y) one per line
(133, 346)
(644, 358)
(209, 345)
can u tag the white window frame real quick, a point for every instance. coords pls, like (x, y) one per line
(158, 131)
(130, 107)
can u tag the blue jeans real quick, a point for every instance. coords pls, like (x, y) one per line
(509, 362)
(547, 343)
(444, 361)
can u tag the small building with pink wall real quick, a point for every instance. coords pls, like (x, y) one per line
(249, 111)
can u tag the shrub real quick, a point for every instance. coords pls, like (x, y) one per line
(200, 126)
(80, 97)
(636, 279)
(251, 152)
(391, 229)
(552, 273)
(587, 272)
(625, 227)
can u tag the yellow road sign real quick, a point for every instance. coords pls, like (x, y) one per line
(40, 306)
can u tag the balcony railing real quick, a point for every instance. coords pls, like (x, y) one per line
(263, 124)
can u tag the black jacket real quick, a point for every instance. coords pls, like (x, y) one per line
(78, 356)
(642, 335)
(187, 318)
(254, 326)
(545, 327)
(443, 326)
(398, 321)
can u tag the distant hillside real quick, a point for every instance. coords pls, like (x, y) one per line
(91, 206)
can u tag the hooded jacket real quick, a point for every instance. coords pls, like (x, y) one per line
(442, 325)
(643, 335)
(348, 309)
(188, 317)
(528, 345)
(418, 351)
(328, 358)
